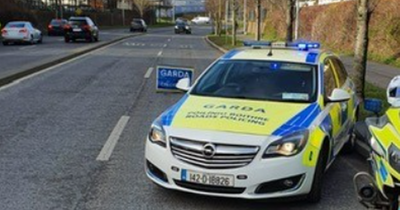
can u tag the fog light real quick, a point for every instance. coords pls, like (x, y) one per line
(288, 183)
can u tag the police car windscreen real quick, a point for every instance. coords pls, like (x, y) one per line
(259, 80)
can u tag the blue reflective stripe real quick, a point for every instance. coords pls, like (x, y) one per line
(311, 57)
(230, 54)
(168, 116)
(300, 121)
(382, 171)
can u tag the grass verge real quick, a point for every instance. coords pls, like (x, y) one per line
(225, 41)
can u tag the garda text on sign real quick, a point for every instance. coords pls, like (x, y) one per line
(168, 77)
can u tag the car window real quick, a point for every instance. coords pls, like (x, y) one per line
(15, 25)
(329, 78)
(340, 71)
(77, 22)
(259, 80)
(56, 22)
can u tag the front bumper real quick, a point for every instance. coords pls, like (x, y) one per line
(263, 175)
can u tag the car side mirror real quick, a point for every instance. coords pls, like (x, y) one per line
(339, 95)
(183, 84)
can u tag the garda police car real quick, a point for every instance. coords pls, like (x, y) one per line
(264, 121)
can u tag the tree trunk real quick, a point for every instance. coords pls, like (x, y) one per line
(234, 23)
(361, 46)
(289, 20)
(258, 13)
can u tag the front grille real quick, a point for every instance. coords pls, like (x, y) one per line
(224, 157)
(212, 189)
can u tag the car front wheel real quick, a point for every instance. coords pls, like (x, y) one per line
(314, 196)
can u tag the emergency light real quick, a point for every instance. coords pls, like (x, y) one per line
(296, 45)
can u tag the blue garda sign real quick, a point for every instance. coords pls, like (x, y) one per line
(168, 77)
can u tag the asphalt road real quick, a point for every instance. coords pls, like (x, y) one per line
(17, 57)
(53, 126)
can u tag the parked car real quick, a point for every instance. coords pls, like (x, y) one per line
(21, 32)
(261, 122)
(182, 27)
(138, 25)
(56, 27)
(201, 20)
(81, 28)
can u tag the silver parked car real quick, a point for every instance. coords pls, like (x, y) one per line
(21, 32)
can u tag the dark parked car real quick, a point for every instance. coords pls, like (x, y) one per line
(56, 27)
(138, 25)
(182, 27)
(81, 28)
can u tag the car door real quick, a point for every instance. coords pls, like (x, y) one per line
(348, 107)
(334, 109)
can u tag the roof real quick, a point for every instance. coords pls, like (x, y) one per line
(278, 54)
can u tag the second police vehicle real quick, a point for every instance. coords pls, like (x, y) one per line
(264, 121)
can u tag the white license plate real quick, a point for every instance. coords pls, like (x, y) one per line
(77, 30)
(208, 179)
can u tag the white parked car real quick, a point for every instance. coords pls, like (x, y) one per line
(21, 32)
(201, 20)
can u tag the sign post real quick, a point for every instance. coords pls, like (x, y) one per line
(124, 5)
(168, 77)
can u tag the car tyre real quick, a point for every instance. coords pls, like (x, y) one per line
(66, 40)
(5, 43)
(31, 41)
(349, 146)
(314, 196)
(96, 38)
(40, 40)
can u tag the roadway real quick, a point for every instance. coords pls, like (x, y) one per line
(54, 125)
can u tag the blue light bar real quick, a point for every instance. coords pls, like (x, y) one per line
(298, 45)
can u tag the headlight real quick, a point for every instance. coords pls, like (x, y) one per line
(187, 27)
(289, 145)
(157, 134)
(176, 27)
(394, 157)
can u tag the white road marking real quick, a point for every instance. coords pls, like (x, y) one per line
(28, 47)
(165, 45)
(112, 140)
(169, 40)
(159, 54)
(148, 73)
(56, 66)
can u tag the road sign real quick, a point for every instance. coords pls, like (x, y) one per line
(168, 77)
(124, 5)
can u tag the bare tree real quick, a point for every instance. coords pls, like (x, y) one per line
(215, 8)
(142, 6)
(364, 10)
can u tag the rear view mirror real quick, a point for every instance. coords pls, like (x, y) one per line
(373, 105)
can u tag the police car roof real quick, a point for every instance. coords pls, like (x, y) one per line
(278, 54)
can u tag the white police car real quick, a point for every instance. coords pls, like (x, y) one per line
(261, 122)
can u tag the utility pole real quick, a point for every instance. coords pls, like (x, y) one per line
(234, 23)
(258, 34)
(226, 19)
(296, 30)
(61, 10)
(219, 23)
(245, 16)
